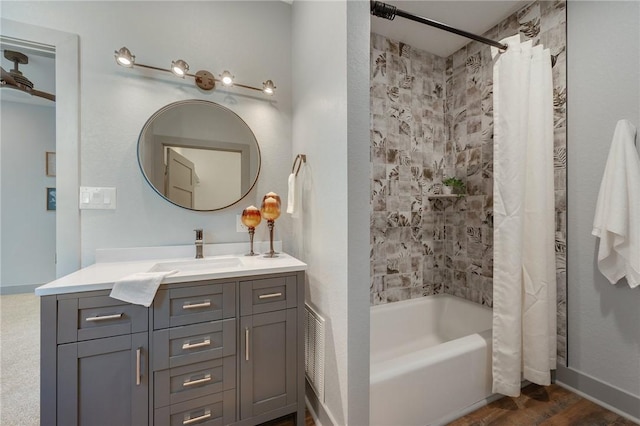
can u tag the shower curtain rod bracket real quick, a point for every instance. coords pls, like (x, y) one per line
(387, 11)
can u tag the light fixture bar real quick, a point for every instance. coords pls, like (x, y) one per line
(247, 87)
(203, 79)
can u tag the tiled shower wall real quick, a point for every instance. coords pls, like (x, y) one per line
(431, 117)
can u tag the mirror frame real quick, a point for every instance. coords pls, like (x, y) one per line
(192, 102)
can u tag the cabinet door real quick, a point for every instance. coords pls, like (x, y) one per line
(268, 365)
(104, 380)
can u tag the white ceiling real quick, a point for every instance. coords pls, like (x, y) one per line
(475, 16)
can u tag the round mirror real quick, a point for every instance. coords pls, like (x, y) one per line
(199, 155)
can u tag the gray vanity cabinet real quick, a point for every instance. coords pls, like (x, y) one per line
(104, 379)
(194, 354)
(267, 379)
(215, 352)
(270, 357)
(94, 360)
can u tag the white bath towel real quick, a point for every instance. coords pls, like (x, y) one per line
(291, 196)
(617, 218)
(139, 288)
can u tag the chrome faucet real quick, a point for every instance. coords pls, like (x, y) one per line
(199, 243)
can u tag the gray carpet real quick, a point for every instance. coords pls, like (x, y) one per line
(19, 360)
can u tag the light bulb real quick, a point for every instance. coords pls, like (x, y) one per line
(268, 87)
(227, 78)
(179, 68)
(124, 57)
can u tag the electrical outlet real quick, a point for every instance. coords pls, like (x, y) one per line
(240, 227)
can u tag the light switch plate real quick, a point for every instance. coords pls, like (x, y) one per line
(92, 197)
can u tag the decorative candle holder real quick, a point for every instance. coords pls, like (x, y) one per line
(251, 218)
(274, 196)
(270, 211)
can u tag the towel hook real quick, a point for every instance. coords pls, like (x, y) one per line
(300, 158)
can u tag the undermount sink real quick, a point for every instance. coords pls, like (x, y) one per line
(197, 265)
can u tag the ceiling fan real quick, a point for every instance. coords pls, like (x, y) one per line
(14, 79)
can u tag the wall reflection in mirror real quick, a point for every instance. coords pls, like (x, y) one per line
(199, 155)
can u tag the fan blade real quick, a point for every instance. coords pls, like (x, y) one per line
(9, 82)
(43, 95)
(7, 78)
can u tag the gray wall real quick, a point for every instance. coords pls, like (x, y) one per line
(330, 126)
(603, 75)
(28, 229)
(251, 39)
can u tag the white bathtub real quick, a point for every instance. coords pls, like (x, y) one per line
(430, 360)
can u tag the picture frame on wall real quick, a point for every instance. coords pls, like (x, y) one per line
(51, 199)
(51, 163)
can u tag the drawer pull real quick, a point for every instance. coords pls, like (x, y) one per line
(205, 379)
(103, 317)
(246, 343)
(138, 356)
(188, 345)
(204, 304)
(188, 421)
(269, 296)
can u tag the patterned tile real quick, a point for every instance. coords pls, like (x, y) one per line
(433, 117)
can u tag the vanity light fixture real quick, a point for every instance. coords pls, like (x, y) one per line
(227, 78)
(268, 87)
(205, 80)
(179, 68)
(124, 57)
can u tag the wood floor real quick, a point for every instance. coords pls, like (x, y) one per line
(537, 405)
(544, 406)
(290, 421)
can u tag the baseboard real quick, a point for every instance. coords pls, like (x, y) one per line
(610, 397)
(319, 412)
(19, 289)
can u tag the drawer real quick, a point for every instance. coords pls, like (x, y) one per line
(268, 294)
(192, 381)
(178, 346)
(191, 305)
(212, 410)
(87, 318)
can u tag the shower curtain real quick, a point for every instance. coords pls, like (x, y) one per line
(524, 281)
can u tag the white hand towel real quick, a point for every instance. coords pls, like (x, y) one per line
(617, 218)
(139, 288)
(291, 197)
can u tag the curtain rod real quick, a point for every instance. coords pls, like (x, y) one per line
(387, 11)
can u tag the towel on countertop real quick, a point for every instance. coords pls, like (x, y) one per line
(139, 288)
(617, 218)
(291, 196)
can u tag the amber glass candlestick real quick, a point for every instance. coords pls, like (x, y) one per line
(274, 196)
(270, 210)
(251, 218)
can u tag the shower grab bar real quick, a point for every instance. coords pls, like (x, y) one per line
(387, 11)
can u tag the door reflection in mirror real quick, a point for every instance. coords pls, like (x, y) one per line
(199, 155)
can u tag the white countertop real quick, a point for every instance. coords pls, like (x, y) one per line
(102, 275)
